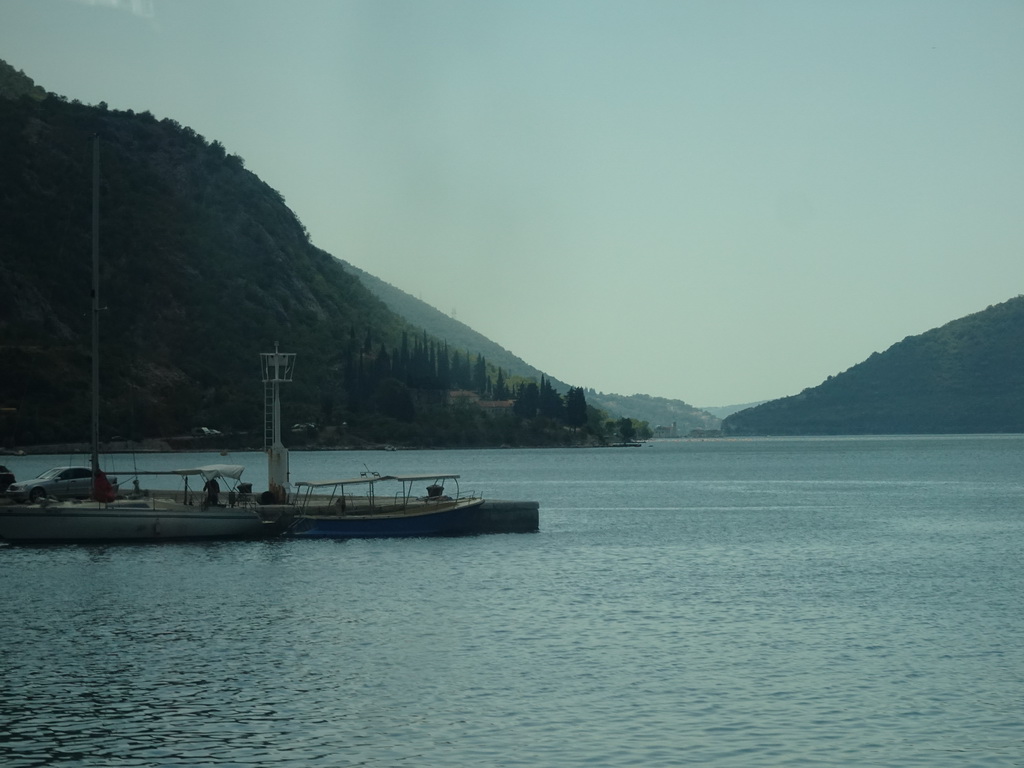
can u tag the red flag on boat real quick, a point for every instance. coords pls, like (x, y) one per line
(102, 490)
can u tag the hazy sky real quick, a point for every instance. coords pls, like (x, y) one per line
(718, 201)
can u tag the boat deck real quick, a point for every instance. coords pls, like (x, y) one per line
(491, 516)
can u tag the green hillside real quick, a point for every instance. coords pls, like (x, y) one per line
(653, 410)
(15, 84)
(204, 267)
(965, 377)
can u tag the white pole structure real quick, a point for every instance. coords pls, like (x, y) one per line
(278, 367)
(94, 461)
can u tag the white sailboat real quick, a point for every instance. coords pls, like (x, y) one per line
(105, 517)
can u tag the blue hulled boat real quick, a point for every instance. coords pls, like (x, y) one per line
(364, 507)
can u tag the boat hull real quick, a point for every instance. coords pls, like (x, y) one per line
(126, 521)
(461, 519)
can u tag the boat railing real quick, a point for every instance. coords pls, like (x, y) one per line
(328, 493)
(193, 497)
(359, 495)
(235, 494)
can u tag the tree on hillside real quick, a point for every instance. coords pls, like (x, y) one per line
(575, 407)
(480, 379)
(527, 401)
(394, 400)
(626, 429)
(550, 402)
(444, 373)
(500, 387)
(459, 372)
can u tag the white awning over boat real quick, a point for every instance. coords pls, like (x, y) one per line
(328, 483)
(233, 471)
(374, 479)
(419, 478)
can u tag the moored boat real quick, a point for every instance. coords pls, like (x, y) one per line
(196, 515)
(362, 508)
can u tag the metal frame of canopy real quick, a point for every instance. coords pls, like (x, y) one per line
(403, 497)
(208, 472)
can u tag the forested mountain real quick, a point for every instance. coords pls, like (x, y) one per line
(965, 377)
(653, 410)
(15, 84)
(457, 334)
(203, 268)
(721, 411)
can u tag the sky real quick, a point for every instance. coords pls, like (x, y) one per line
(716, 201)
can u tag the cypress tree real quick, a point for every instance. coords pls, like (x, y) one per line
(575, 407)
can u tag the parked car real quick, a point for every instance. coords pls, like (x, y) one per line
(205, 432)
(6, 478)
(56, 483)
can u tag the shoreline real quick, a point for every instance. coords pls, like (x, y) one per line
(153, 446)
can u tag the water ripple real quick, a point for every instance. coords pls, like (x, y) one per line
(838, 618)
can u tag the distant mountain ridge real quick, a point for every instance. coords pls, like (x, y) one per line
(440, 325)
(965, 377)
(721, 411)
(656, 411)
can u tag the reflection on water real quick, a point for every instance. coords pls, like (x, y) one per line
(748, 603)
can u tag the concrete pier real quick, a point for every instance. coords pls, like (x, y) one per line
(498, 516)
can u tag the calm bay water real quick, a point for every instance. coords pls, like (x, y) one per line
(774, 602)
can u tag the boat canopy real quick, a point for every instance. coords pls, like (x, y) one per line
(435, 490)
(328, 483)
(233, 471)
(418, 478)
(374, 479)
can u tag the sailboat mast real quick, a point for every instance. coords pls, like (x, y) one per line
(95, 459)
